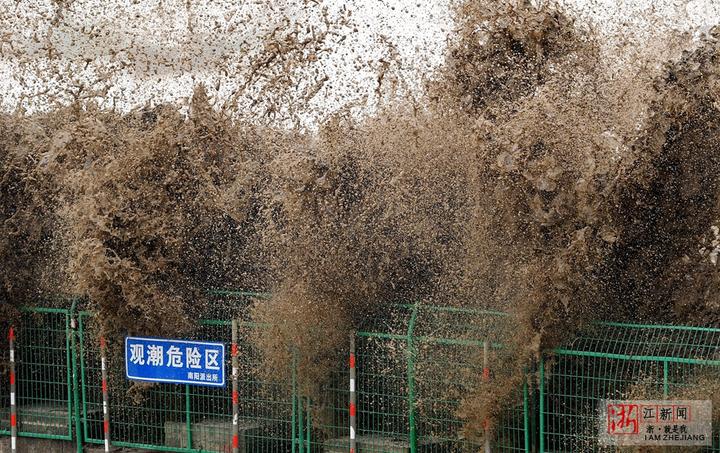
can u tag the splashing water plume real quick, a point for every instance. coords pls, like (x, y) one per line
(530, 173)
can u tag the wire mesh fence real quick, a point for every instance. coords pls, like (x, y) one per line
(456, 351)
(412, 374)
(383, 401)
(171, 417)
(43, 376)
(414, 369)
(176, 417)
(621, 362)
(273, 417)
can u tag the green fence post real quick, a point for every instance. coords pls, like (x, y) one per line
(188, 422)
(301, 427)
(298, 401)
(76, 399)
(411, 379)
(69, 356)
(542, 403)
(294, 402)
(526, 417)
(308, 425)
(81, 334)
(666, 384)
(486, 379)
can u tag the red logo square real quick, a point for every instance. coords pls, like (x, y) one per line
(623, 418)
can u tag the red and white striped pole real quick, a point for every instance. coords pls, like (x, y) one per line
(486, 379)
(353, 399)
(13, 399)
(105, 395)
(235, 396)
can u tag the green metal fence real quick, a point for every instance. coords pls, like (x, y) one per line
(618, 361)
(44, 376)
(183, 418)
(413, 370)
(401, 408)
(412, 373)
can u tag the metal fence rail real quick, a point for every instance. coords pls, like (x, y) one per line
(618, 361)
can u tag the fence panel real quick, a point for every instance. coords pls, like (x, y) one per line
(383, 408)
(410, 383)
(43, 376)
(619, 361)
(446, 375)
(272, 418)
(267, 406)
(183, 418)
(456, 349)
(410, 380)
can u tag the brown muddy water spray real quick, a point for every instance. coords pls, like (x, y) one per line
(527, 175)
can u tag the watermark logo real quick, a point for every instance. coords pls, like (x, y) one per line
(655, 422)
